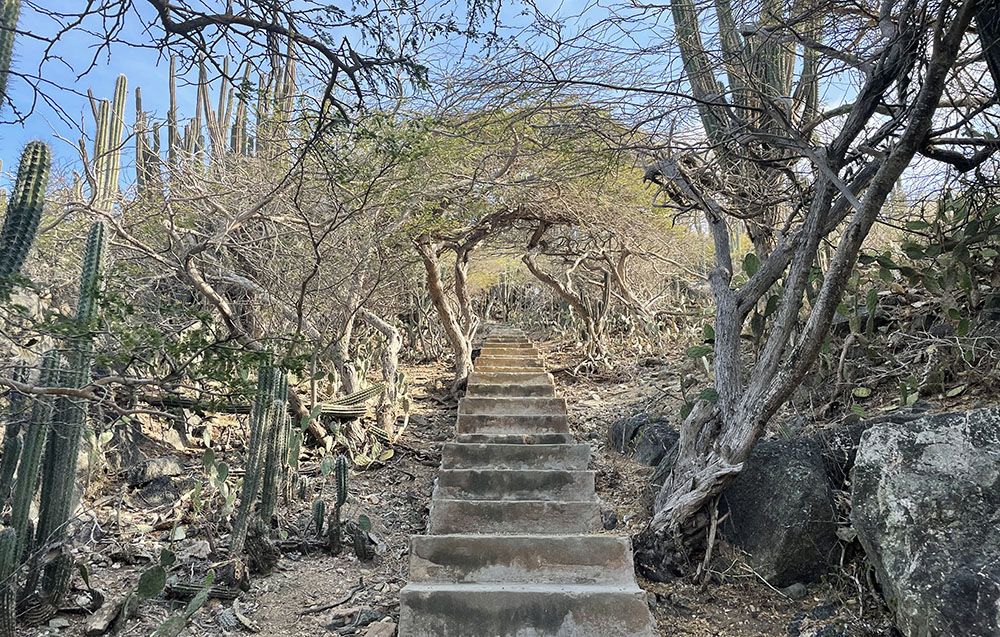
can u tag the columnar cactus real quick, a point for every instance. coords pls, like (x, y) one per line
(335, 542)
(10, 10)
(319, 515)
(24, 211)
(260, 418)
(277, 443)
(8, 583)
(59, 481)
(16, 412)
(14, 539)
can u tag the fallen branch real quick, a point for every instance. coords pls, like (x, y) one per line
(311, 610)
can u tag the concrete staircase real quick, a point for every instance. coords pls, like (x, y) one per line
(508, 552)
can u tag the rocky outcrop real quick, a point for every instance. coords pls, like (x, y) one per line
(781, 511)
(926, 508)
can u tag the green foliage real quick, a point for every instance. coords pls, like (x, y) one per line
(952, 256)
(24, 210)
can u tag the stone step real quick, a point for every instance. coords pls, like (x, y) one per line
(552, 559)
(513, 405)
(501, 350)
(498, 390)
(517, 456)
(514, 484)
(508, 341)
(514, 517)
(508, 366)
(522, 369)
(526, 439)
(529, 377)
(519, 424)
(514, 358)
(523, 610)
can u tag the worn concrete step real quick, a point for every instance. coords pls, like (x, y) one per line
(522, 369)
(523, 610)
(514, 517)
(508, 341)
(508, 361)
(499, 390)
(513, 405)
(529, 377)
(514, 484)
(456, 455)
(539, 559)
(510, 366)
(512, 423)
(516, 357)
(503, 350)
(527, 439)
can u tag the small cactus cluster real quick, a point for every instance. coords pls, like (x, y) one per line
(266, 467)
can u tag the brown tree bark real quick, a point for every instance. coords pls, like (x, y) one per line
(460, 342)
(718, 436)
(387, 410)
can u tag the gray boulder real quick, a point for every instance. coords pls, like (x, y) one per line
(653, 442)
(926, 507)
(781, 512)
(644, 436)
(624, 430)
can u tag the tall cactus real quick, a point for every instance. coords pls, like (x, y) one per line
(59, 481)
(334, 540)
(15, 538)
(260, 418)
(10, 10)
(277, 443)
(16, 411)
(24, 211)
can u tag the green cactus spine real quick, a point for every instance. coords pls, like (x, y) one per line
(10, 10)
(260, 416)
(24, 211)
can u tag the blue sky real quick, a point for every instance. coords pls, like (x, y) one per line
(71, 58)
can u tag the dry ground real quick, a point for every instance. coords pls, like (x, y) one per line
(122, 536)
